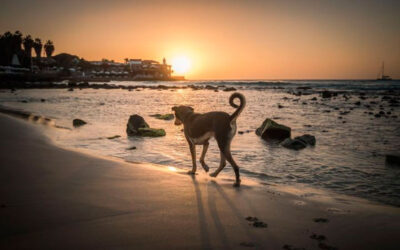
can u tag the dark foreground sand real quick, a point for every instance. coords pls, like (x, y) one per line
(52, 198)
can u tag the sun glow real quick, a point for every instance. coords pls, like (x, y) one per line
(181, 64)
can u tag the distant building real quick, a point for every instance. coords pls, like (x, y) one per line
(149, 68)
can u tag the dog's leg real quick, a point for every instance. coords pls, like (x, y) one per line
(193, 153)
(203, 155)
(222, 164)
(229, 158)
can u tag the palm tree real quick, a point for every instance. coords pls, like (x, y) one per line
(38, 47)
(16, 41)
(28, 45)
(6, 48)
(49, 48)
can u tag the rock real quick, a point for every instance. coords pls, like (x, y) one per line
(211, 87)
(113, 137)
(393, 159)
(134, 123)
(78, 122)
(240, 132)
(280, 106)
(307, 139)
(131, 148)
(314, 99)
(326, 94)
(42, 100)
(273, 130)
(294, 144)
(24, 101)
(71, 89)
(151, 132)
(230, 89)
(166, 117)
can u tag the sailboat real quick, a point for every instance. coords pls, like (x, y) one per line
(381, 75)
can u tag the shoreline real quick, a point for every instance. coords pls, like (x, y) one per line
(297, 189)
(52, 194)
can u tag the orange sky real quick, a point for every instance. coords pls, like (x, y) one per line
(223, 39)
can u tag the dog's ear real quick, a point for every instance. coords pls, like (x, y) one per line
(173, 108)
(192, 109)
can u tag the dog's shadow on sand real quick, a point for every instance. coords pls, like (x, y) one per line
(215, 191)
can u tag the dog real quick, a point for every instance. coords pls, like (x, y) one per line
(199, 128)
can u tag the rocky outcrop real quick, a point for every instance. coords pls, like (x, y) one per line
(273, 130)
(294, 144)
(78, 122)
(134, 123)
(299, 142)
(307, 139)
(137, 126)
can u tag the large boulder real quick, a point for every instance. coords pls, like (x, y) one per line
(78, 122)
(273, 130)
(134, 123)
(295, 144)
(307, 139)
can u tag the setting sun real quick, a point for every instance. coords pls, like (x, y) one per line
(181, 64)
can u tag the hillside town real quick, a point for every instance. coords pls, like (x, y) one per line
(17, 63)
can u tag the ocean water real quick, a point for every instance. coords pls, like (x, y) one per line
(349, 156)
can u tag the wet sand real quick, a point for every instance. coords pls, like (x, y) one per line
(52, 198)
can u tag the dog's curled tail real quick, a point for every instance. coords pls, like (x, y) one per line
(239, 107)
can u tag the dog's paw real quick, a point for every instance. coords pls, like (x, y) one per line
(206, 168)
(213, 174)
(236, 184)
(191, 172)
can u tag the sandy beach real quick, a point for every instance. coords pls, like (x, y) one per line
(52, 198)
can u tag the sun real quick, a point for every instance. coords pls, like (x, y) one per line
(181, 64)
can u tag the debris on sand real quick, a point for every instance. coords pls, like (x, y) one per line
(256, 222)
(113, 137)
(289, 247)
(320, 220)
(324, 246)
(249, 218)
(247, 244)
(318, 237)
